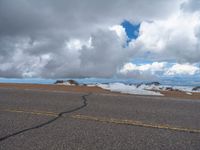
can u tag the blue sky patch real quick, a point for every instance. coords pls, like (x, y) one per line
(139, 61)
(132, 30)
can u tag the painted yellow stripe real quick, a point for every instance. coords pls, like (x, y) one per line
(108, 120)
(134, 123)
(44, 113)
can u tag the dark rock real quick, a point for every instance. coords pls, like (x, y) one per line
(68, 82)
(169, 89)
(59, 82)
(72, 82)
(138, 85)
(172, 89)
(196, 88)
(153, 83)
(150, 83)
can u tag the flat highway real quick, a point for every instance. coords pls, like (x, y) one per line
(55, 120)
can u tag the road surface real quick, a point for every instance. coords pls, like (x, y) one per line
(50, 120)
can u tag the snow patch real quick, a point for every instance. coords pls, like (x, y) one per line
(145, 89)
(128, 89)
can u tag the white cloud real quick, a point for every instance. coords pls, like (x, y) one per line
(163, 68)
(142, 71)
(182, 69)
(151, 68)
(74, 44)
(79, 39)
(77, 44)
(171, 38)
(121, 33)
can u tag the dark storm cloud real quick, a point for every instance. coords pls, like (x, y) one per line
(191, 5)
(35, 35)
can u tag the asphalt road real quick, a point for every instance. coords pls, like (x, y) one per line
(34, 120)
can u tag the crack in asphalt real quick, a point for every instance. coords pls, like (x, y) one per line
(49, 121)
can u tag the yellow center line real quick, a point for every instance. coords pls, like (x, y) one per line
(108, 120)
(134, 123)
(33, 112)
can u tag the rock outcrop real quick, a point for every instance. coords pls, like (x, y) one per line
(68, 82)
(72, 82)
(149, 84)
(197, 88)
(172, 89)
(59, 82)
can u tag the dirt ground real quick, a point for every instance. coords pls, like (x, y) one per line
(94, 89)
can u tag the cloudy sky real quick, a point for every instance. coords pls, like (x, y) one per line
(99, 38)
